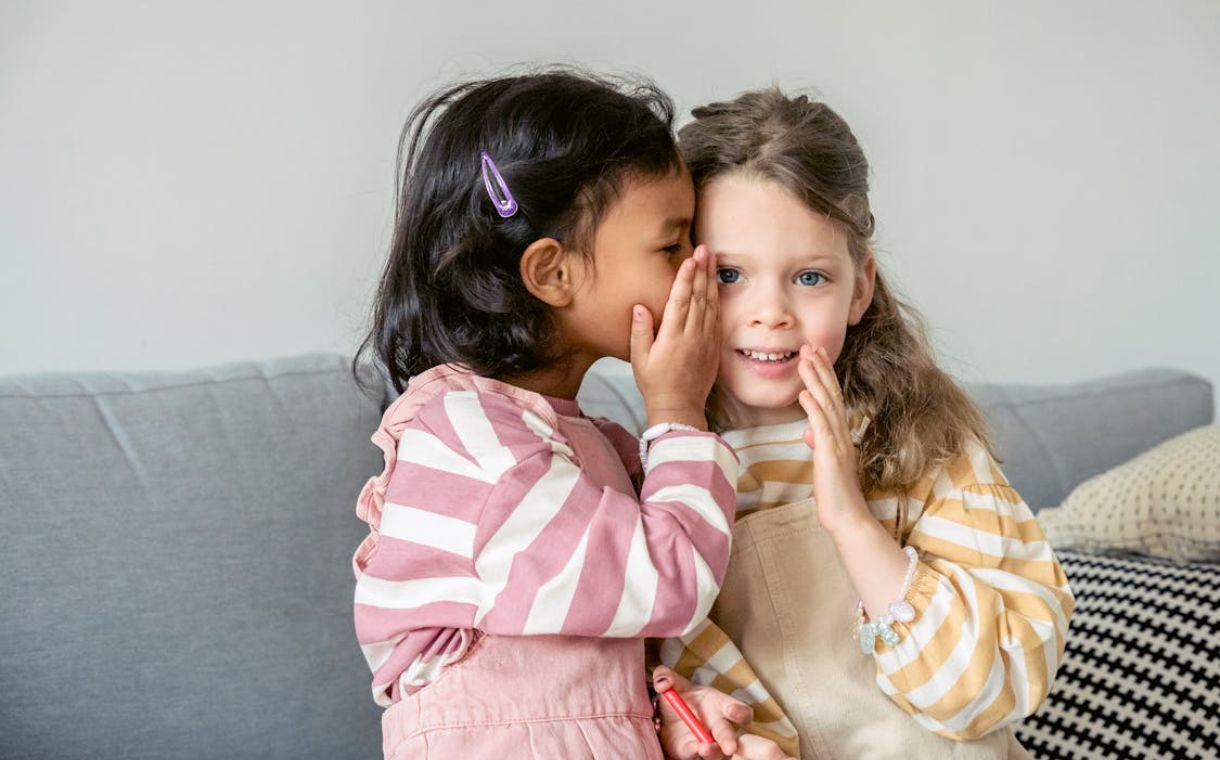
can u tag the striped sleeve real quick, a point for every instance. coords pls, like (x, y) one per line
(564, 555)
(992, 606)
(490, 523)
(708, 657)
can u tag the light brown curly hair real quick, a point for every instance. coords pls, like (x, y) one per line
(920, 417)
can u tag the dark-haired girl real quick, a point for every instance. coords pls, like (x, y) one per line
(512, 569)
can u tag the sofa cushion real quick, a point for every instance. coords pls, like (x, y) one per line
(1163, 503)
(176, 563)
(1141, 672)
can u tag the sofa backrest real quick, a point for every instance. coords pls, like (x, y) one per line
(1054, 437)
(175, 563)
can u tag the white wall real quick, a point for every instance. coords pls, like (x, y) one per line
(195, 182)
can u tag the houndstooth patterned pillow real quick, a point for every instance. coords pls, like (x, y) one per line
(1141, 675)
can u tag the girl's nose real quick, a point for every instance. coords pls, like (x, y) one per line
(772, 313)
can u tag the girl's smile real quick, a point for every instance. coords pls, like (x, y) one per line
(769, 362)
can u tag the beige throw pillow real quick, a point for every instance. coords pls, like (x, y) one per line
(1164, 503)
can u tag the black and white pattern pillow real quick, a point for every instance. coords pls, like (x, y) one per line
(1141, 675)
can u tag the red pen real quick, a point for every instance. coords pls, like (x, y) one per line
(676, 701)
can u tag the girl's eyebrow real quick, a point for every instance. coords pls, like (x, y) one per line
(804, 258)
(670, 227)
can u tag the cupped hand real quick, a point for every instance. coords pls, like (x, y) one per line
(675, 368)
(836, 486)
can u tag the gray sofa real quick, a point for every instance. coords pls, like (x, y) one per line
(175, 547)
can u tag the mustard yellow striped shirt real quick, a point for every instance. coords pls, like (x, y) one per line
(992, 601)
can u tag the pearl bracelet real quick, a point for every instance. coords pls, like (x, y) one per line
(900, 610)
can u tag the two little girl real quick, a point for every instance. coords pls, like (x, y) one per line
(520, 554)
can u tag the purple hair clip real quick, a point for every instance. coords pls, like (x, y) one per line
(506, 204)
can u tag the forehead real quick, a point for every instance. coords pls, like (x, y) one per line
(740, 215)
(653, 200)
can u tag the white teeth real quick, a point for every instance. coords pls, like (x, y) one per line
(767, 357)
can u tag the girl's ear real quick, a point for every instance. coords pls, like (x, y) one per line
(862, 295)
(551, 272)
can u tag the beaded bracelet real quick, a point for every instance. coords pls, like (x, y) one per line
(658, 430)
(900, 610)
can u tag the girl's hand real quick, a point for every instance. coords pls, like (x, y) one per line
(836, 481)
(715, 709)
(718, 711)
(873, 559)
(676, 369)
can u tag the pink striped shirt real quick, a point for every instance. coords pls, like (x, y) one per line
(486, 518)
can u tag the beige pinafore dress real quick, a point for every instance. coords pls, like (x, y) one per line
(789, 605)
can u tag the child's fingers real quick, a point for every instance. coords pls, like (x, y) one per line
(662, 678)
(831, 397)
(698, 300)
(690, 748)
(822, 435)
(725, 735)
(705, 296)
(678, 305)
(821, 364)
(641, 336)
(835, 416)
(813, 384)
(712, 315)
(825, 370)
(687, 747)
(813, 411)
(758, 748)
(737, 711)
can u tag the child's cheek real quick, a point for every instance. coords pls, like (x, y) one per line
(829, 338)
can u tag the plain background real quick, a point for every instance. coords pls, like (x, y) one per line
(186, 183)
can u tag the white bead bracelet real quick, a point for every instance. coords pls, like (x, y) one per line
(900, 610)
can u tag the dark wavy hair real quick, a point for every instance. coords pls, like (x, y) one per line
(564, 141)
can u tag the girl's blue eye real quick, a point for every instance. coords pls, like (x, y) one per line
(728, 276)
(809, 278)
